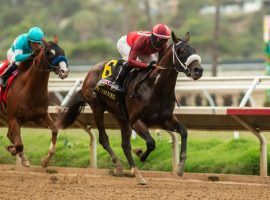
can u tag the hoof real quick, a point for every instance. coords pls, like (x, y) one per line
(143, 158)
(22, 160)
(44, 162)
(118, 171)
(180, 170)
(25, 162)
(142, 181)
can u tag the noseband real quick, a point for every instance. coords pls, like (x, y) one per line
(56, 60)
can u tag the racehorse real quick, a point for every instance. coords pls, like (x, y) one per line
(28, 99)
(153, 103)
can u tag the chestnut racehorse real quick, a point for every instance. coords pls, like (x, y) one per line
(28, 99)
(152, 105)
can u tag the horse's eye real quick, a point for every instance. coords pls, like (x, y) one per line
(52, 52)
(181, 50)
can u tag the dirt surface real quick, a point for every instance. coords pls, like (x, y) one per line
(17, 184)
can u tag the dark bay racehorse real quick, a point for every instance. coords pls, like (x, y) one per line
(28, 99)
(153, 105)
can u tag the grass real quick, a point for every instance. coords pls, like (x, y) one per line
(207, 151)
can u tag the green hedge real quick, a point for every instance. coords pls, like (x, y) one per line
(209, 153)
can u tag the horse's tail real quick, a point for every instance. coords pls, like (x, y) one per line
(71, 111)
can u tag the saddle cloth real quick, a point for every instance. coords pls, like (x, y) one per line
(4, 90)
(108, 75)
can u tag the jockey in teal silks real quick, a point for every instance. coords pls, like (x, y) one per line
(22, 49)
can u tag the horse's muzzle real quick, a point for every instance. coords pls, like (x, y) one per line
(63, 74)
(197, 73)
(63, 70)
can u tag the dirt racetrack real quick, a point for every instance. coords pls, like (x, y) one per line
(66, 183)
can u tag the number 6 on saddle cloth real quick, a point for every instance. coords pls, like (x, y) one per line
(112, 77)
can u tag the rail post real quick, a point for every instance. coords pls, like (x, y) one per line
(175, 151)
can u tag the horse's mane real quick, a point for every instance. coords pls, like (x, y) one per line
(24, 66)
(164, 52)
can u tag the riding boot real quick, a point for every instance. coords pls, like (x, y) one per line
(119, 80)
(4, 77)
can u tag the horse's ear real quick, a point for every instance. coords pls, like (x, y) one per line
(174, 38)
(45, 42)
(187, 36)
(55, 39)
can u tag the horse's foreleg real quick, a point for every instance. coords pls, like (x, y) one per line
(126, 134)
(104, 141)
(14, 134)
(174, 125)
(49, 123)
(143, 132)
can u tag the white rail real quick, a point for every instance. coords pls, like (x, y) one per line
(183, 84)
(205, 86)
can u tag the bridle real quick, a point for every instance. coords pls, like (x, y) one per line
(189, 60)
(52, 65)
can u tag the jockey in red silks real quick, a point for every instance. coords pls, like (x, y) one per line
(22, 49)
(138, 49)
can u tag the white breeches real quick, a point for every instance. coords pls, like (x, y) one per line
(124, 50)
(11, 56)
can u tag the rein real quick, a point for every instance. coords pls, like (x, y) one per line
(176, 58)
(52, 67)
(41, 70)
(172, 68)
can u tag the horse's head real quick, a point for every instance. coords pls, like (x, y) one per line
(185, 58)
(55, 57)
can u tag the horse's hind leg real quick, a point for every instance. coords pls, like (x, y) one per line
(104, 140)
(143, 132)
(174, 125)
(47, 121)
(14, 134)
(125, 134)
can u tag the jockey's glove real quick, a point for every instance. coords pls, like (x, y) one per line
(32, 55)
(152, 64)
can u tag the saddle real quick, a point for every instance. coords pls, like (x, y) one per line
(4, 90)
(109, 74)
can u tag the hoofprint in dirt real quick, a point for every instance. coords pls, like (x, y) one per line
(22, 184)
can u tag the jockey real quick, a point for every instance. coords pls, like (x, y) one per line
(22, 49)
(138, 48)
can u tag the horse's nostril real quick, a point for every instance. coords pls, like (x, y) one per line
(196, 70)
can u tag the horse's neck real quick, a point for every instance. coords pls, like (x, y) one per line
(166, 78)
(37, 78)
